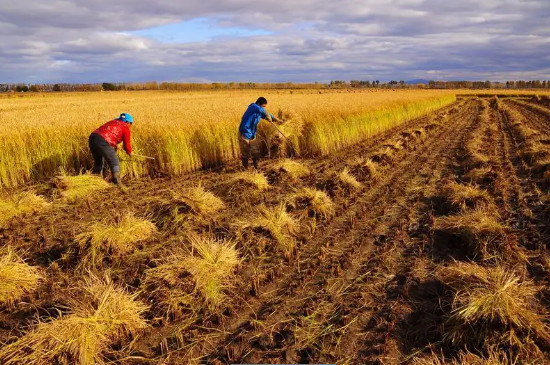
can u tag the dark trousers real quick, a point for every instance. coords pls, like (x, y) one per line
(101, 150)
(249, 148)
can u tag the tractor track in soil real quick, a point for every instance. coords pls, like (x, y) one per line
(535, 119)
(369, 341)
(516, 192)
(516, 199)
(355, 244)
(532, 225)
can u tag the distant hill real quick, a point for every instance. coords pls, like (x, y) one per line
(417, 81)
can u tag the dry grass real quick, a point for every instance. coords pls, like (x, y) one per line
(479, 228)
(493, 307)
(465, 196)
(20, 204)
(112, 239)
(395, 145)
(317, 202)
(476, 158)
(104, 314)
(541, 166)
(366, 167)
(533, 151)
(293, 169)
(481, 175)
(193, 204)
(419, 134)
(280, 225)
(17, 278)
(384, 155)
(463, 358)
(199, 201)
(74, 187)
(255, 179)
(210, 264)
(348, 180)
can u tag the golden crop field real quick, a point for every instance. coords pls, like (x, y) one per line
(44, 134)
(410, 228)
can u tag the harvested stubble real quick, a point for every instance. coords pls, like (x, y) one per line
(317, 202)
(112, 238)
(74, 187)
(293, 169)
(534, 151)
(481, 175)
(21, 204)
(17, 278)
(492, 358)
(209, 265)
(493, 306)
(104, 314)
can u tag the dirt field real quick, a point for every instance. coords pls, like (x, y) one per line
(362, 285)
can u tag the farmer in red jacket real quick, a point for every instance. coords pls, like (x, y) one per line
(104, 141)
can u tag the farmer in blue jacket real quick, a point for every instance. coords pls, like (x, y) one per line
(249, 144)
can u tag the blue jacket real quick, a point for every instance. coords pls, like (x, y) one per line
(250, 120)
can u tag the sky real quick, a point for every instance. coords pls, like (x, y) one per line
(273, 40)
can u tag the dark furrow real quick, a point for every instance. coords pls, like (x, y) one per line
(532, 228)
(535, 119)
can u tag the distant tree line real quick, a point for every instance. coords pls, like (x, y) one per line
(335, 84)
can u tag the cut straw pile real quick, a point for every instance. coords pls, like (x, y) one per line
(104, 314)
(16, 277)
(193, 204)
(281, 226)
(317, 203)
(113, 239)
(479, 228)
(75, 187)
(293, 169)
(189, 279)
(493, 306)
(348, 180)
(20, 204)
(465, 196)
(255, 179)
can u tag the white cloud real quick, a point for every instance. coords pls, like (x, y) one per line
(77, 40)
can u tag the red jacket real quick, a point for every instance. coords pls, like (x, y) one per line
(114, 132)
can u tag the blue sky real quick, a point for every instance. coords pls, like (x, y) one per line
(197, 30)
(273, 41)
